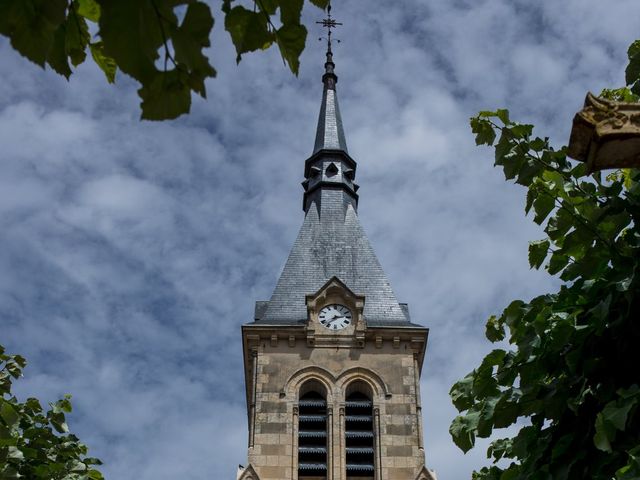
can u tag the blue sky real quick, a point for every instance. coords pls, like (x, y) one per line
(131, 252)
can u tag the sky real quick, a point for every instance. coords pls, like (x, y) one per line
(132, 252)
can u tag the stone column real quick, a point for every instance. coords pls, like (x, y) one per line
(376, 444)
(341, 447)
(416, 371)
(294, 443)
(330, 443)
(252, 405)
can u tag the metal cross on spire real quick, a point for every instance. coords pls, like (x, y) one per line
(329, 23)
(329, 78)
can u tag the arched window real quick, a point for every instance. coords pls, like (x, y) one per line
(359, 433)
(312, 432)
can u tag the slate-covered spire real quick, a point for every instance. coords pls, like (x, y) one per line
(331, 242)
(330, 133)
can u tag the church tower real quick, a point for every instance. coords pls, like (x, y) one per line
(332, 360)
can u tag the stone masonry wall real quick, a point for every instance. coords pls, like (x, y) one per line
(391, 371)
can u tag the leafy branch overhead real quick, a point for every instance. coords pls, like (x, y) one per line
(34, 443)
(569, 380)
(160, 43)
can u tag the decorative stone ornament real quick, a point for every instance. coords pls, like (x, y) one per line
(606, 134)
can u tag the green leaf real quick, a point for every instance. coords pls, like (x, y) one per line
(484, 383)
(462, 429)
(538, 252)
(106, 64)
(249, 30)
(8, 414)
(611, 225)
(619, 95)
(291, 40)
(76, 38)
(94, 475)
(320, 3)
(504, 147)
(167, 96)
(616, 413)
(197, 24)
(503, 115)
(632, 72)
(268, 6)
(89, 9)
(538, 145)
(131, 35)
(498, 448)
(57, 56)
(6, 438)
(512, 163)
(485, 422)
(189, 40)
(461, 393)
(542, 206)
(290, 11)
(532, 194)
(559, 224)
(65, 404)
(605, 433)
(528, 169)
(493, 358)
(577, 242)
(494, 329)
(485, 135)
(558, 262)
(521, 131)
(31, 25)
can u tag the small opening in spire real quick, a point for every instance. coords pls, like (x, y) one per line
(349, 173)
(332, 170)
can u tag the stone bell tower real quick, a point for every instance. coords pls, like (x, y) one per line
(332, 360)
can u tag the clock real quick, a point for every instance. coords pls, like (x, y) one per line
(335, 317)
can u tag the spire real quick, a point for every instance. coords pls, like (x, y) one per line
(329, 134)
(331, 242)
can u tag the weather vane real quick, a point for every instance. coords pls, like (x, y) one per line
(329, 23)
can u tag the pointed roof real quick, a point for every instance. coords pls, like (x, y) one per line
(331, 243)
(330, 133)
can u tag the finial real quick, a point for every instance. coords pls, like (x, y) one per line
(329, 78)
(329, 23)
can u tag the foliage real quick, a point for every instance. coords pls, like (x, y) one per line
(570, 380)
(632, 73)
(160, 43)
(35, 444)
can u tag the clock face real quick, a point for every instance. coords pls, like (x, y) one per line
(335, 317)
